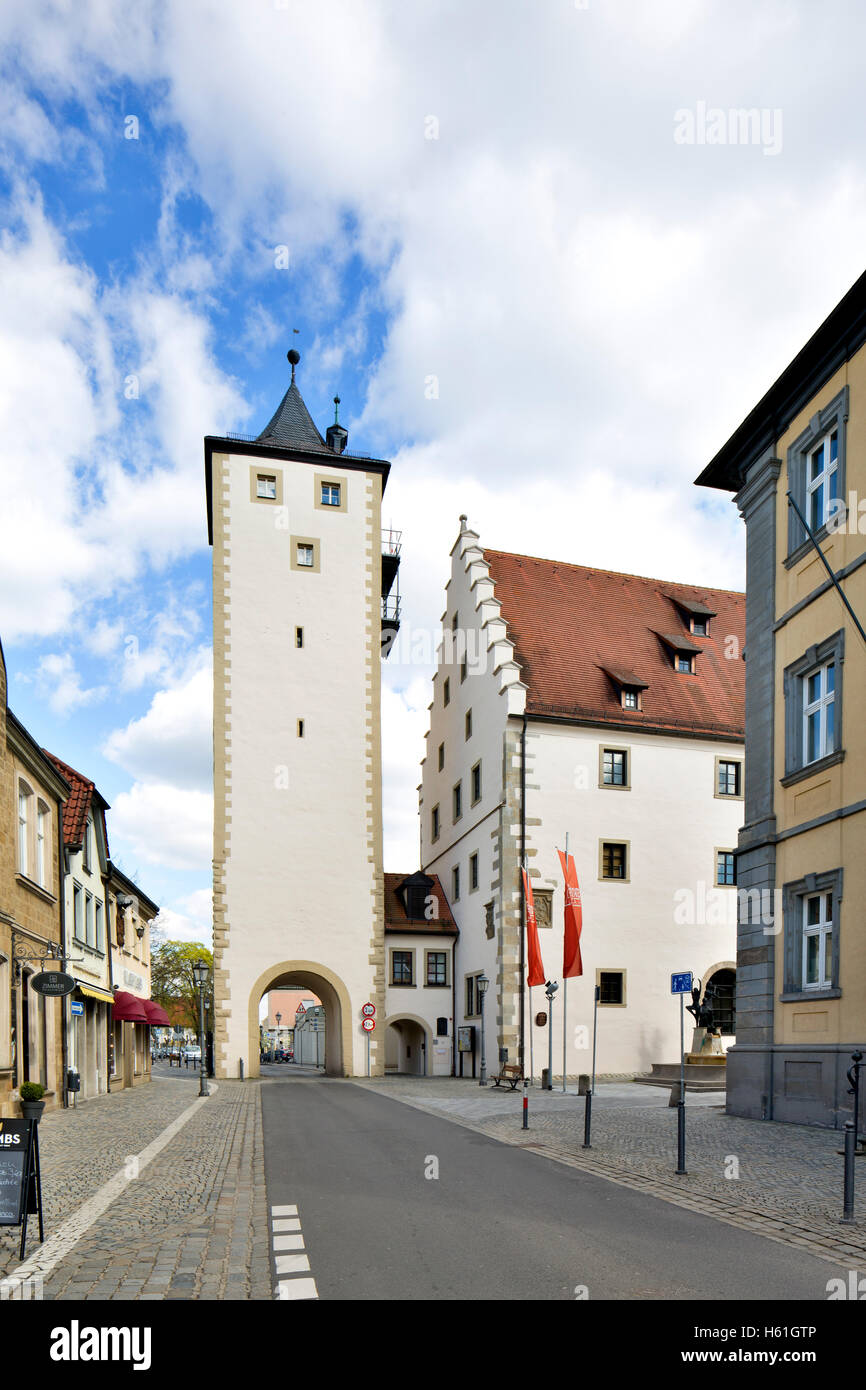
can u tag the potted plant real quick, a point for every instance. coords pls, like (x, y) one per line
(30, 1094)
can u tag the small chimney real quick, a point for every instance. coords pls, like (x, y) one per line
(336, 436)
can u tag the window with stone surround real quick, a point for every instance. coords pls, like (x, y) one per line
(812, 923)
(816, 474)
(813, 709)
(402, 967)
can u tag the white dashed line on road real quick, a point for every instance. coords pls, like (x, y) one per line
(285, 1219)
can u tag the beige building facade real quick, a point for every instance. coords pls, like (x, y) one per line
(32, 797)
(797, 465)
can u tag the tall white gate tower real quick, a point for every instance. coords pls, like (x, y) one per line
(303, 590)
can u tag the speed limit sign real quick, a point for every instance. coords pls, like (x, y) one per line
(368, 1025)
(368, 1010)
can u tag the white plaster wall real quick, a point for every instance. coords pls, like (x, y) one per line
(671, 817)
(674, 824)
(300, 876)
(420, 1001)
(468, 594)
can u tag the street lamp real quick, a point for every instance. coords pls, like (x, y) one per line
(549, 990)
(481, 985)
(200, 973)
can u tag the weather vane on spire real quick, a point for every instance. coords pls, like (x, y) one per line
(294, 356)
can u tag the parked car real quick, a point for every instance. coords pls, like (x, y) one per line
(191, 1052)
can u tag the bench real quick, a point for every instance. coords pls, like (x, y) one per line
(509, 1073)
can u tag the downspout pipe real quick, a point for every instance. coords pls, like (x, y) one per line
(522, 897)
(64, 1002)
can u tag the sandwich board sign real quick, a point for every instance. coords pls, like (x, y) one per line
(20, 1185)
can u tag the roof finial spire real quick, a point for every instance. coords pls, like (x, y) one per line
(294, 357)
(336, 410)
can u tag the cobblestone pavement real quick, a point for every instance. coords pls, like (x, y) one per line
(785, 1180)
(193, 1225)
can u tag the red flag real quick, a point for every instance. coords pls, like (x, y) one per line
(571, 961)
(536, 968)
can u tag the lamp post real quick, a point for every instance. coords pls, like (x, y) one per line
(481, 985)
(200, 974)
(549, 990)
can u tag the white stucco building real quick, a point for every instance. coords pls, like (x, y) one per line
(607, 708)
(300, 577)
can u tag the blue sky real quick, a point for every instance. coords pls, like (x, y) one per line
(530, 293)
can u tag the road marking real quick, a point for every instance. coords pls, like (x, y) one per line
(297, 1288)
(58, 1246)
(285, 1219)
(288, 1242)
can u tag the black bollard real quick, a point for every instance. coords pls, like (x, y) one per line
(850, 1145)
(587, 1120)
(525, 1104)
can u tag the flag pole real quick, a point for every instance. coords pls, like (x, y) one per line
(564, 986)
(523, 985)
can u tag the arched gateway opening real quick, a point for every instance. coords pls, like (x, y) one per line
(307, 974)
(407, 1045)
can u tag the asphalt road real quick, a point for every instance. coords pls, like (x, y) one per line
(497, 1223)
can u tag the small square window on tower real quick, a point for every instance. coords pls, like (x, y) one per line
(266, 484)
(305, 554)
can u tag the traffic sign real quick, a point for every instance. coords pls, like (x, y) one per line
(368, 1010)
(53, 983)
(76, 1008)
(681, 984)
(368, 1025)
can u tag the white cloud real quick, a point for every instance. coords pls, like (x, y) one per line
(59, 682)
(189, 918)
(171, 743)
(165, 825)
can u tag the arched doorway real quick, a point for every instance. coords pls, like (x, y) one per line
(305, 974)
(720, 992)
(407, 1046)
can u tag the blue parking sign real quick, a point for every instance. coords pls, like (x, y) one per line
(681, 984)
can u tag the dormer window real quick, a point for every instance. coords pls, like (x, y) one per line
(700, 627)
(627, 685)
(684, 663)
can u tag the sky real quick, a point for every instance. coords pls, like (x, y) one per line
(533, 247)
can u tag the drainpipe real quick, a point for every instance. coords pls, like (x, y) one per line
(522, 896)
(64, 1003)
(109, 1041)
(454, 941)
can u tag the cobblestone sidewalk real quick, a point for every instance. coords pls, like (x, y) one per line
(778, 1180)
(192, 1225)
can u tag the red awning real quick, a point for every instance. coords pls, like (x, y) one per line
(129, 1009)
(156, 1014)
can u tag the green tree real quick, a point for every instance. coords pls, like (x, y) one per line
(171, 978)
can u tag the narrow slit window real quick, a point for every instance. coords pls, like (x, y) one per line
(300, 728)
(299, 636)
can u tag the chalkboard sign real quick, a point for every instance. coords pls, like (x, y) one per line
(15, 1137)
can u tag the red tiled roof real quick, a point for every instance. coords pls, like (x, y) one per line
(76, 809)
(571, 625)
(395, 913)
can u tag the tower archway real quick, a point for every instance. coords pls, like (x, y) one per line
(307, 974)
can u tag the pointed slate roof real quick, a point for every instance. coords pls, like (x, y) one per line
(291, 426)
